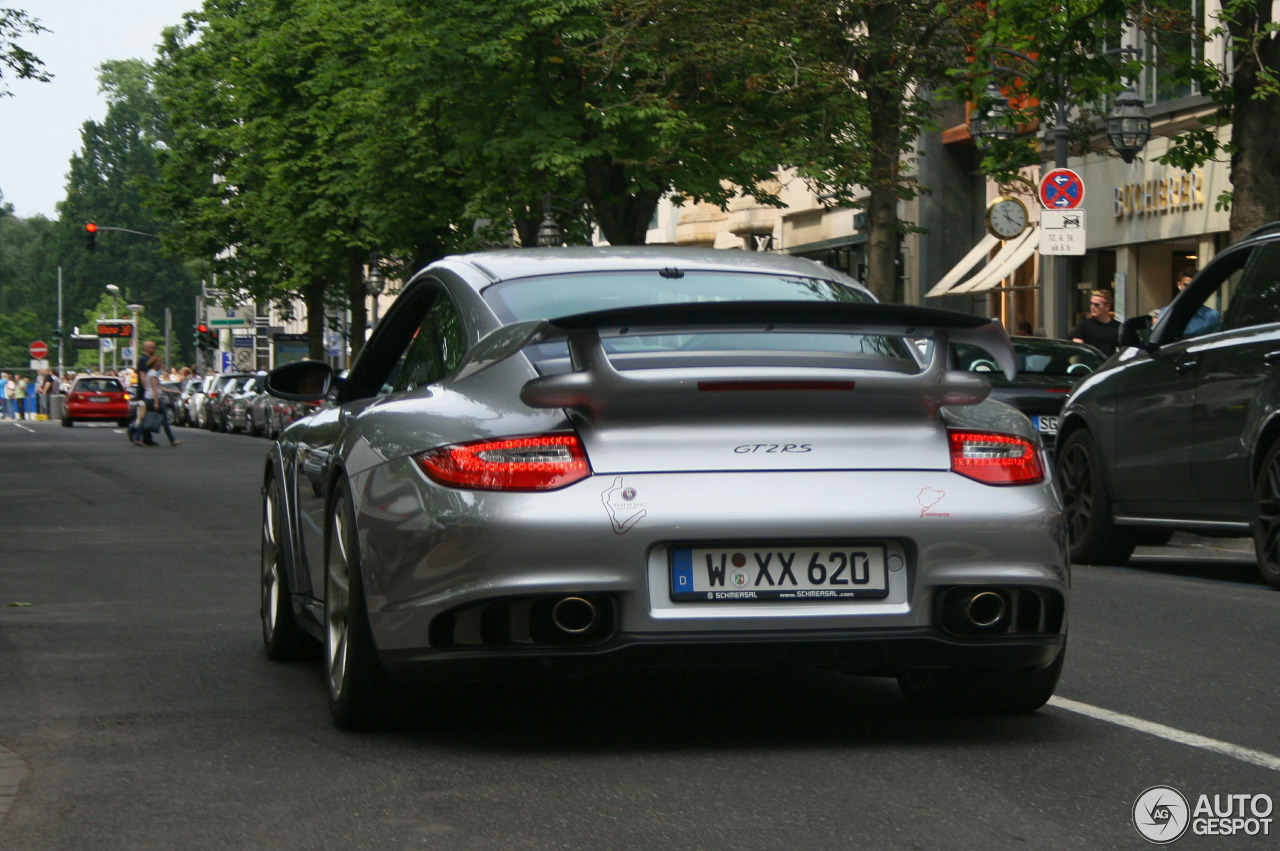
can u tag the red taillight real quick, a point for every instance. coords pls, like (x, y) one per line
(995, 459)
(539, 463)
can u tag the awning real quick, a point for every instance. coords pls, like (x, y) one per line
(1007, 260)
(965, 266)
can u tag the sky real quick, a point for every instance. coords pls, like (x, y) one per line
(40, 122)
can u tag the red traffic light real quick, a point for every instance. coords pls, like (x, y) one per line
(91, 227)
(90, 233)
(202, 328)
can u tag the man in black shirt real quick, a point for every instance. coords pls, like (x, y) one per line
(1098, 329)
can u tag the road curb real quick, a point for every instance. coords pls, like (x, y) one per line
(13, 770)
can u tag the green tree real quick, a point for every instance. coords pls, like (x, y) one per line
(110, 183)
(14, 58)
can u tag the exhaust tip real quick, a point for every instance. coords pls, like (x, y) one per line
(985, 609)
(573, 615)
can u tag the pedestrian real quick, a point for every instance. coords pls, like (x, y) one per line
(20, 397)
(7, 389)
(1204, 320)
(152, 400)
(1099, 329)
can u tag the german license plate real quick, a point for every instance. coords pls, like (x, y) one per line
(1045, 425)
(99, 398)
(763, 572)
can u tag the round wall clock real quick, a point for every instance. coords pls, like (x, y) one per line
(1006, 217)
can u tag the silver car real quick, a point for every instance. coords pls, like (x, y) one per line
(652, 457)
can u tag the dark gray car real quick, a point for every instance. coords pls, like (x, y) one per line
(1180, 429)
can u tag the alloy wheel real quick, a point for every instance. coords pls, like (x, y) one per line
(270, 562)
(1076, 481)
(337, 608)
(1266, 532)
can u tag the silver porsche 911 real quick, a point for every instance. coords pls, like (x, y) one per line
(662, 457)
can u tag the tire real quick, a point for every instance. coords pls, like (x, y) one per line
(1092, 536)
(1266, 512)
(282, 638)
(981, 692)
(67, 422)
(360, 691)
(123, 423)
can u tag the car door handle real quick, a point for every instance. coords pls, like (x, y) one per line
(1183, 367)
(1271, 358)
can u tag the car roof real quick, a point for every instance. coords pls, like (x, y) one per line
(511, 263)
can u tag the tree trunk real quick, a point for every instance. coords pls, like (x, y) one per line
(622, 212)
(356, 297)
(313, 298)
(1255, 183)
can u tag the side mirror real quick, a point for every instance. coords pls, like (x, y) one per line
(1135, 331)
(301, 381)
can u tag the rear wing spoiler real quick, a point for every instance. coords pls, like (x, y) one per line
(594, 383)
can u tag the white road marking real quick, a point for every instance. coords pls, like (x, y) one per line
(1172, 734)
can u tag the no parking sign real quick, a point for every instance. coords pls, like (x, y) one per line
(1061, 189)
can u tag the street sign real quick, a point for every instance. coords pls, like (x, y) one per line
(115, 329)
(38, 350)
(1061, 189)
(1062, 232)
(229, 317)
(106, 344)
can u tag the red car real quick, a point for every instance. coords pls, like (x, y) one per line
(96, 397)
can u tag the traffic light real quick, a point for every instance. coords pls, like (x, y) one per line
(208, 336)
(91, 233)
(198, 336)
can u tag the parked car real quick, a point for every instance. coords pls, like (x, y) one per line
(183, 407)
(1048, 370)
(710, 457)
(198, 401)
(96, 398)
(219, 395)
(1181, 429)
(240, 401)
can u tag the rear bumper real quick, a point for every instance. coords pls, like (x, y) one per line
(872, 653)
(98, 412)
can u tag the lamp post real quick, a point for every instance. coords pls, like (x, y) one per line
(1128, 129)
(374, 285)
(115, 317)
(133, 339)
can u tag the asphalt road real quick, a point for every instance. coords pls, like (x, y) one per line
(137, 710)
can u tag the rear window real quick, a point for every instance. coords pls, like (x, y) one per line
(553, 296)
(98, 385)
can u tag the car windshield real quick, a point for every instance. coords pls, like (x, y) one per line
(552, 296)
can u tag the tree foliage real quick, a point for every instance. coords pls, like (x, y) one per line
(110, 183)
(14, 58)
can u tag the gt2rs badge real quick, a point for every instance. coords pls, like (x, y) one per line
(620, 502)
(928, 498)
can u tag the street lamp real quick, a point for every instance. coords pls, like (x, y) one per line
(374, 284)
(1128, 129)
(115, 316)
(133, 339)
(993, 121)
(550, 233)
